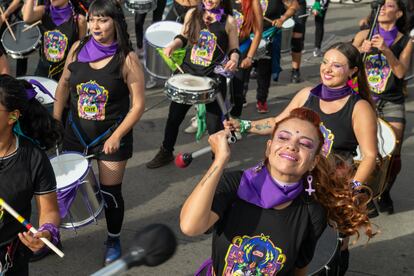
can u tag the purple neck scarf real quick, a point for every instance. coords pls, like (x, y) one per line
(258, 187)
(331, 94)
(218, 12)
(60, 15)
(389, 36)
(94, 51)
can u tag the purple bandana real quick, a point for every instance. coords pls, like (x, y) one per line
(389, 36)
(60, 15)
(94, 51)
(258, 187)
(218, 12)
(331, 94)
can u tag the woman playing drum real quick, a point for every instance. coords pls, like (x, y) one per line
(180, 8)
(266, 220)
(340, 109)
(105, 82)
(211, 33)
(388, 60)
(25, 171)
(60, 28)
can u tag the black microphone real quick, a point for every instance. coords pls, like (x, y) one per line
(152, 246)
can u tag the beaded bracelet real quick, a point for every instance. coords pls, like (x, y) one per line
(356, 184)
(245, 126)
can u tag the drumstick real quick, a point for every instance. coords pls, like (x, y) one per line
(7, 24)
(29, 227)
(179, 68)
(304, 15)
(31, 26)
(268, 19)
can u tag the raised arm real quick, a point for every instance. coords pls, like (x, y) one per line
(31, 12)
(196, 216)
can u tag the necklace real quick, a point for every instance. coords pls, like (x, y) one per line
(4, 156)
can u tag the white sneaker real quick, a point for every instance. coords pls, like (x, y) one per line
(317, 52)
(192, 128)
(151, 83)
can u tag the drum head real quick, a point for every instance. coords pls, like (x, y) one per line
(50, 85)
(69, 168)
(288, 24)
(25, 41)
(190, 83)
(161, 33)
(325, 251)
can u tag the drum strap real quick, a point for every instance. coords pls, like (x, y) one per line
(105, 135)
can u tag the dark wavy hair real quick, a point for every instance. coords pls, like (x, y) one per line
(354, 58)
(196, 22)
(35, 120)
(346, 207)
(112, 9)
(401, 22)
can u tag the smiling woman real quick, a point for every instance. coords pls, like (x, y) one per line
(249, 209)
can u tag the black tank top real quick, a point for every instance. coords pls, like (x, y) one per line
(98, 97)
(238, 14)
(57, 40)
(210, 50)
(272, 9)
(337, 127)
(382, 81)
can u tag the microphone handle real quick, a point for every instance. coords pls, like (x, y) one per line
(371, 31)
(200, 152)
(112, 269)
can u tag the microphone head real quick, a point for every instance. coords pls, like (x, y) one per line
(183, 160)
(158, 242)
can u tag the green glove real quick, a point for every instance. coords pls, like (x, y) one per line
(317, 7)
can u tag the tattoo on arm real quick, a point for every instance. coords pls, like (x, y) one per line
(209, 175)
(262, 126)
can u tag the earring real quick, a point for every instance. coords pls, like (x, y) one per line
(13, 117)
(310, 190)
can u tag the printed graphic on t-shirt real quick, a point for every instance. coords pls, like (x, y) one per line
(378, 72)
(92, 101)
(329, 140)
(264, 4)
(54, 45)
(255, 255)
(239, 19)
(202, 53)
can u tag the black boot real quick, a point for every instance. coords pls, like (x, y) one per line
(162, 158)
(295, 76)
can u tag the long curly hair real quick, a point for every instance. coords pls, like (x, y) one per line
(35, 120)
(346, 207)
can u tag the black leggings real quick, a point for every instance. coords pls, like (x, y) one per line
(140, 19)
(320, 27)
(177, 114)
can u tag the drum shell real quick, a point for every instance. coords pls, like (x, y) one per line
(88, 203)
(286, 40)
(140, 6)
(154, 64)
(190, 97)
(34, 35)
(410, 73)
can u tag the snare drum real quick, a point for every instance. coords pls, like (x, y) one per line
(189, 89)
(287, 32)
(79, 197)
(158, 35)
(141, 6)
(325, 260)
(386, 145)
(43, 98)
(261, 49)
(26, 42)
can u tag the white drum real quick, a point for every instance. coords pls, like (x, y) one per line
(141, 6)
(287, 31)
(189, 89)
(43, 97)
(386, 145)
(79, 196)
(261, 49)
(158, 35)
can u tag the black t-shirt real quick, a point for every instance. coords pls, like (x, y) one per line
(249, 239)
(25, 173)
(209, 51)
(337, 127)
(99, 98)
(381, 79)
(272, 10)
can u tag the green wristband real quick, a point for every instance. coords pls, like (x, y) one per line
(245, 126)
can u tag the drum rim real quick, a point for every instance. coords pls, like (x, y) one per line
(159, 23)
(290, 26)
(25, 51)
(79, 224)
(26, 77)
(83, 175)
(211, 80)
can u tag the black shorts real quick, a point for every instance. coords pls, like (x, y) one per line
(300, 23)
(72, 143)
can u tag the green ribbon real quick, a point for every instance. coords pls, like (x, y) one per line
(201, 121)
(176, 58)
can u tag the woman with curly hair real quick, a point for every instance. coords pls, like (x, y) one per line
(281, 205)
(26, 130)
